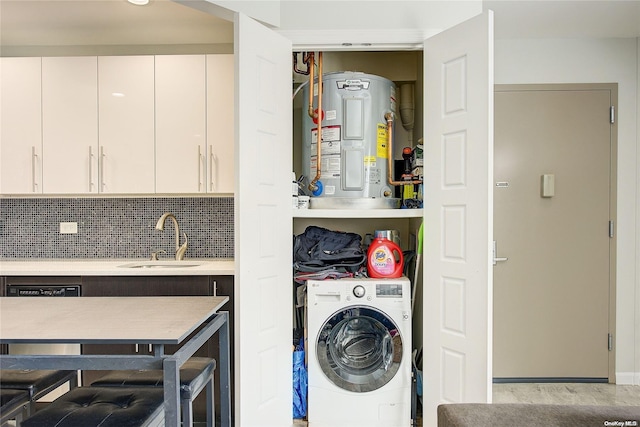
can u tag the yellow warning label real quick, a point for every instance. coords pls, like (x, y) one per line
(383, 139)
(370, 160)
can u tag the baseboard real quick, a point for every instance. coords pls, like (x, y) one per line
(546, 380)
(628, 378)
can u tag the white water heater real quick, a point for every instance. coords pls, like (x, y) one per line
(354, 147)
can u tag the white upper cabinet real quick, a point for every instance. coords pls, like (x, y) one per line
(70, 125)
(181, 151)
(126, 124)
(117, 125)
(220, 124)
(20, 126)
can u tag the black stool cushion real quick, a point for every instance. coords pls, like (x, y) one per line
(194, 373)
(12, 398)
(32, 380)
(100, 407)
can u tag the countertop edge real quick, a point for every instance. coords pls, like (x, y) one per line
(112, 267)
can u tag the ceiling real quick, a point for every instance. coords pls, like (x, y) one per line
(164, 22)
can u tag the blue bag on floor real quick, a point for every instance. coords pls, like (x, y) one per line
(299, 385)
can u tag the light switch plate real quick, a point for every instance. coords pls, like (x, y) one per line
(68, 228)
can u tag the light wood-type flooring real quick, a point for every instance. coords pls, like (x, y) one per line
(558, 393)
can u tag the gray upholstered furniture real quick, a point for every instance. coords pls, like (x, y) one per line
(195, 374)
(103, 407)
(13, 405)
(35, 383)
(535, 415)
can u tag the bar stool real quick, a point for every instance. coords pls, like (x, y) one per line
(103, 407)
(13, 405)
(36, 383)
(195, 374)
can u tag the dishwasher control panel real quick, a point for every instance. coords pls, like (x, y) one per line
(43, 290)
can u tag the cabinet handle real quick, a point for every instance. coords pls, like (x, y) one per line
(199, 169)
(90, 169)
(215, 288)
(101, 168)
(34, 158)
(137, 348)
(211, 165)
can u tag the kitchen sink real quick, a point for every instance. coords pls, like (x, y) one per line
(160, 264)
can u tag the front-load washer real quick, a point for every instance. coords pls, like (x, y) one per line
(359, 352)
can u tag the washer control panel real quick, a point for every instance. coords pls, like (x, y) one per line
(389, 290)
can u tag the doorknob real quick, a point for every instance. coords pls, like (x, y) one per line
(496, 260)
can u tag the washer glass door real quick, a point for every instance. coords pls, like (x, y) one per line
(359, 349)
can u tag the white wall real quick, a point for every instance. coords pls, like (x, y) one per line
(520, 61)
(637, 270)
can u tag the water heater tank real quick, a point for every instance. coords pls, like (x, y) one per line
(354, 157)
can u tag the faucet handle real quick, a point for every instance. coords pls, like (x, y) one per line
(182, 250)
(154, 255)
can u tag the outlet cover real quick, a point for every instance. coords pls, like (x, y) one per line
(68, 228)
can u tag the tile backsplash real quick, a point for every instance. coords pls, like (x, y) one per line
(114, 227)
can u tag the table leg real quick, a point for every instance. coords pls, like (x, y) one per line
(171, 392)
(225, 372)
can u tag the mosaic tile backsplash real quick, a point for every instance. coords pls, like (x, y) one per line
(114, 227)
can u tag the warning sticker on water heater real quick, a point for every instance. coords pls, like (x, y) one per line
(329, 134)
(382, 140)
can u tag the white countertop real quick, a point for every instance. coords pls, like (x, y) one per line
(117, 267)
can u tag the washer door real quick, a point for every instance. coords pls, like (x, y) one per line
(359, 349)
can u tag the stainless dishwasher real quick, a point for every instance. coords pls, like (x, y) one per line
(43, 291)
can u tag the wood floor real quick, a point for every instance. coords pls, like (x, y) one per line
(568, 394)
(558, 393)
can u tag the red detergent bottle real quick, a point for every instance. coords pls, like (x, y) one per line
(384, 259)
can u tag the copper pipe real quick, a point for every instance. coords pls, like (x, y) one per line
(311, 68)
(312, 185)
(389, 118)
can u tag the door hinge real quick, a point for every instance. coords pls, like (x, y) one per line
(611, 229)
(610, 342)
(612, 114)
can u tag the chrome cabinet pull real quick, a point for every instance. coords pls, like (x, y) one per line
(90, 169)
(34, 158)
(211, 167)
(101, 168)
(200, 162)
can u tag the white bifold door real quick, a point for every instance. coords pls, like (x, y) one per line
(458, 218)
(263, 227)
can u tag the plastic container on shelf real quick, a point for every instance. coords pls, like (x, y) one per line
(384, 259)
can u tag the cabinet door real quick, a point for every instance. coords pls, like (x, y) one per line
(458, 223)
(70, 124)
(220, 124)
(126, 117)
(180, 123)
(20, 126)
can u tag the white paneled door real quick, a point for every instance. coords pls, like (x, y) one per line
(263, 227)
(458, 215)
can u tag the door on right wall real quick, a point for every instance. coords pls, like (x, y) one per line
(554, 198)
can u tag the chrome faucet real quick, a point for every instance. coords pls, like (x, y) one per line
(180, 250)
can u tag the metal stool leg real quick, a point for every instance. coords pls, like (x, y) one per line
(211, 409)
(187, 413)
